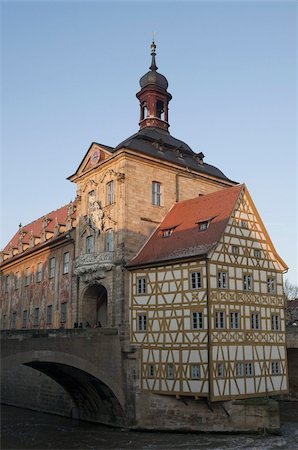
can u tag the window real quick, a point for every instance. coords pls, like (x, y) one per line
(7, 283)
(156, 193)
(247, 282)
(14, 320)
(275, 368)
(235, 250)
(170, 371)
(249, 369)
(36, 317)
(27, 276)
(52, 265)
(243, 224)
(195, 371)
(109, 240)
(25, 318)
(66, 262)
(141, 285)
(49, 314)
(239, 369)
(142, 322)
(63, 315)
(39, 273)
(195, 280)
(16, 281)
(271, 286)
(234, 320)
(203, 225)
(197, 320)
(110, 193)
(257, 253)
(150, 371)
(220, 369)
(219, 319)
(275, 322)
(255, 321)
(222, 280)
(144, 112)
(167, 233)
(89, 244)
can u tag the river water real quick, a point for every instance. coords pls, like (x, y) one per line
(25, 429)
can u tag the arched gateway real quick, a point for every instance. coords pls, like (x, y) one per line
(94, 305)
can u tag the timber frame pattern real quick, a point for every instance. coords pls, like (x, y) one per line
(238, 349)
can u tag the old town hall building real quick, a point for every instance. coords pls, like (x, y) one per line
(165, 248)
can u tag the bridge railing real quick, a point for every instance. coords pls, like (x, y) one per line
(54, 333)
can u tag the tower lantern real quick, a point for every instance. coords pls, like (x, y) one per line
(154, 97)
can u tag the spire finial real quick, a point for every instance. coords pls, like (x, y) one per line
(153, 63)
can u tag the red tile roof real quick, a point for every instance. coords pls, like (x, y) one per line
(186, 240)
(59, 215)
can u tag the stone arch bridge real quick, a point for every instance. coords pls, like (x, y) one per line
(87, 364)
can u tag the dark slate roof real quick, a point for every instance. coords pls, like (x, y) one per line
(160, 144)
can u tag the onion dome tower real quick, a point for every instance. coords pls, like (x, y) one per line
(154, 98)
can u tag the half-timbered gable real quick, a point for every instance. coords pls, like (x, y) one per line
(206, 302)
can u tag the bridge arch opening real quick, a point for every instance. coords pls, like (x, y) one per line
(95, 305)
(94, 400)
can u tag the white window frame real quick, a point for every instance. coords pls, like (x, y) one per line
(141, 285)
(234, 320)
(219, 320)
(39, 273)
(27, 276)
(235, 250)
(222, 278)
(275, 368)
(90, 244)
(257, 253)
(195, 371)
(49, 314)
(110, 240)
(63, 312)
(156, 193)
(255, 321)
(271, 285)
(170, 371)
(25, 318)
(52, 267)
(195, 280)
(151, 370)
(36, 317)
(66, 261)
(220, 370)
(275, 322)
(197, 320)
(110, 192)
(141, 322)
(247, 282)
(239, 369)
(249, 369)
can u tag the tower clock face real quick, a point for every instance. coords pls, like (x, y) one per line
(95, 156)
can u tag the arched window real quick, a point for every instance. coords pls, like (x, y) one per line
(144, 110)
(109, 240)
(160, 110)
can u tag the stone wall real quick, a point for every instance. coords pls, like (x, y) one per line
(159, 412)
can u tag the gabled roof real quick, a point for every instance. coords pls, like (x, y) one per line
(46, 223)
(186, 240)
(86, 164)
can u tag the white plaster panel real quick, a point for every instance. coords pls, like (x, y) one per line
(215, 390)
(256, 275)
(250, 389)
(160, 275)
(241, 385)
(256, 287)
(238, 273)
(212, 269)
(239, 285)
(221, 384)
(213, 283)
(263, 275)
(263, 288)
(248, 353)
(152, 276)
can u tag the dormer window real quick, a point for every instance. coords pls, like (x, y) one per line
(166, 233)
(203, 225)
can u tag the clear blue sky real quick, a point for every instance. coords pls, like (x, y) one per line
(71, 71)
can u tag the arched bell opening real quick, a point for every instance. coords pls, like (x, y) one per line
(95, 306)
